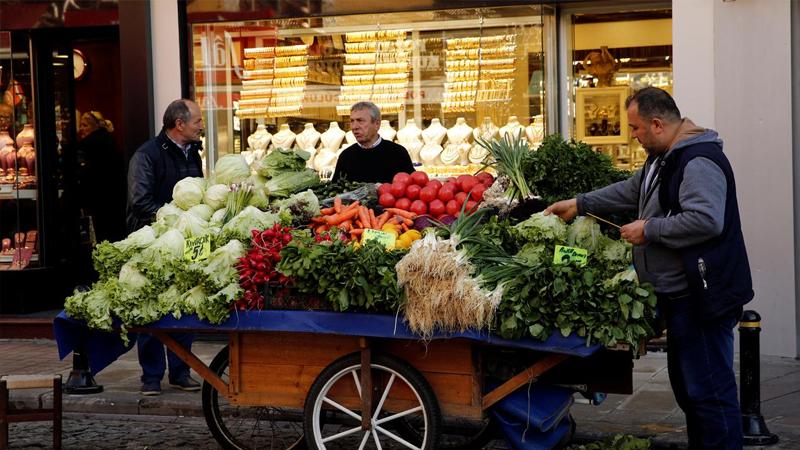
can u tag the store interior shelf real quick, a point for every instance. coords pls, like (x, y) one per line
(17, 194)
(5, 259)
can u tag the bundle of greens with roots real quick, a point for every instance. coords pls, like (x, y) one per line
(444, 291)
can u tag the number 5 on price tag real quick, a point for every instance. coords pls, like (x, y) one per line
(197, 248)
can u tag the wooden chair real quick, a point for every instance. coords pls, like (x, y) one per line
(7, 415)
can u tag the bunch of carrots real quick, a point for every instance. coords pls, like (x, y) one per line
(355, 218)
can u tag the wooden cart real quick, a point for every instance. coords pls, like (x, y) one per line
(269, 389)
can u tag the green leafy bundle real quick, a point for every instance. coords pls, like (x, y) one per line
(331, 189)
(561, 169)
(350, 278)
(618, 442)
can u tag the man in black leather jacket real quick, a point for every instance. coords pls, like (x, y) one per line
(154, 170)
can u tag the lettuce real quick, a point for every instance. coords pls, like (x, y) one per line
(216, 196)
(287, 183)
(188, 192)
(231, 169)
(281, 161)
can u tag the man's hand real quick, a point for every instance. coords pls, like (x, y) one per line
(633, 232)
(565, 209)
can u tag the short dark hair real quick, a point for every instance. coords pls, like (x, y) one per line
(653, 103)
(374, 111)
(178, 109)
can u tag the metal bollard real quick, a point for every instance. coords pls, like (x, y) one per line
(80, 379)
(753, 425)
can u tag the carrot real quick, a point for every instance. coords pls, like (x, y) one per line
(401, 212)
(355, 204)
(404, 226)
(336, 219)
(373, 221)
(346, 225)
(318, 219)
(321, 229)
(356, 232)
(407, 222)
(363, 215)
(359, 223)
(327, 211)
(337, 204)
(382, 219)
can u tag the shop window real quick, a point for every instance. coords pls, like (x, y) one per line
(613, 55)
(265, 84)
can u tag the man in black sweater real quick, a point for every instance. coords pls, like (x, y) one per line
(370, 159)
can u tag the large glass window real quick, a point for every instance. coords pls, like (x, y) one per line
(440, 78)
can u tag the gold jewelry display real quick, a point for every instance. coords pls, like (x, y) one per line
(274, 81)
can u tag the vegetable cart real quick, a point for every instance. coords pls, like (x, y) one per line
(289, 374)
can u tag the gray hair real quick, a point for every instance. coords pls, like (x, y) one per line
(654, 103)
(178, 109)
(374, 111)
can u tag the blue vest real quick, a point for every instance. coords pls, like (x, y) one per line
(717, 270)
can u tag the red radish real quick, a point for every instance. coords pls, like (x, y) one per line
(467, 182)
(437, 208)
(398, 189)
(403, 203)
(477, 192)
(384, 188)
(427, 194)
(418, 207)
(453, 207)
(419, 178)
(387, 200)
(401, 177)
(446, 193)
(412, 191)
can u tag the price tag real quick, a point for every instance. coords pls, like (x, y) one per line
(197, 248)
(386, 239)
(566, 255)
(21, 258)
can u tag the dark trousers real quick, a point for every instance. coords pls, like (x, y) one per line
(700, 365)
(151, 357)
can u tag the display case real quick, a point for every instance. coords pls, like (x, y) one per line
(600, 115)
(441, 78)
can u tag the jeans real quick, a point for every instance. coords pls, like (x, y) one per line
(151, 357)
(700, 366)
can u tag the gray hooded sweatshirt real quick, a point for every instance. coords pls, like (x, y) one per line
(702, 197)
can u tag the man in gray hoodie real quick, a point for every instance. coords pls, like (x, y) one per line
(688, 244)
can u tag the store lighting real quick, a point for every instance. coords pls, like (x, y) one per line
(624, 60)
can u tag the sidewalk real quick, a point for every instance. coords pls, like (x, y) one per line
(650, 412)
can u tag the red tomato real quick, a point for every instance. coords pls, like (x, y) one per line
(446, 193)
(450, 180)
(435, 184)
(461, 197)
(471, 206)
(477, 192)
(437, 208)
(412, 191)
(467, 182)
(487, 182)
(418, 207)
(451, 185)
(401, 177)
(453, 207)
(398, 189)
(419, 178)
(485, 177)
(384, 188)
(427, 194)
(386, 200)
(403, 203)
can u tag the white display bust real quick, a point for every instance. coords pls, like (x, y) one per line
(386, 131)
(307, 140)
(332, 137)
(513, 127)
(284, 138)
(458, 145)
(432, 136)
(535, 131)
(259, 140)
(410, 137)
(487, 132)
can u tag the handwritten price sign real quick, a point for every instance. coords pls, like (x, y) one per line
(566, 255)
(197, 248)
(386, 239)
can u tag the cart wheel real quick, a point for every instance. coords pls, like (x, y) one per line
(248, 427)
(457, 434)
(399, 391)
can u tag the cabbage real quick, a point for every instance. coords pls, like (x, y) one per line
(131, 278)
(168, 214)
(168, 245)
(216, 219)
(188, 192)
(231, 169)
(202, 211)
(584, 232)
(137, 240)
(191, 226)
(216, 196)
(251, 218)
(541, 228)
(220, 267)
(288, 183)
(281, 161)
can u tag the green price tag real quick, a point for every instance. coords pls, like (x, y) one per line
(197, 248)
(386, 239)
(565, 255)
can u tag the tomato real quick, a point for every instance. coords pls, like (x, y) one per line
(477, 192)
(386, 200)
(461, 197)
(446, 193)
(401, 177)
(451, 185)
(450, 180)
(471, 206)
(467, 182)
(384, 188)
(398, 189)
(427, 194)
(412, 191)
(418, 207)
(436, 208)
(453, 207)
(419, 178)
(435, 184)
(485, 177)
(403, 203)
